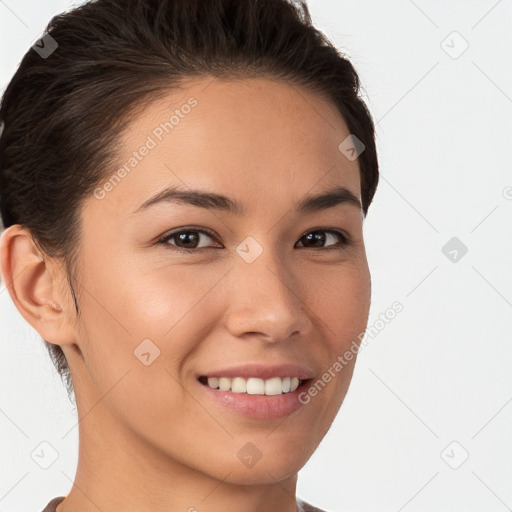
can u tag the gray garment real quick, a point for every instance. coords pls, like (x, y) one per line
(302, 506)
(53, 504)
(306, 507)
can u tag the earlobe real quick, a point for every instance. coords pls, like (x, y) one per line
(30, 281)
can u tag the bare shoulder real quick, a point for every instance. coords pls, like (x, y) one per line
(306, 507)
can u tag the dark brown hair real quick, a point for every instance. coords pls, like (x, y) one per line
(63, 114)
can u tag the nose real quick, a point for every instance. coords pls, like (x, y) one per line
(267, 300)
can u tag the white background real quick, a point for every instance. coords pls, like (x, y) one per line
(440, 371)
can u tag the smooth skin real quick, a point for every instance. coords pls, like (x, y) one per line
(150, 437)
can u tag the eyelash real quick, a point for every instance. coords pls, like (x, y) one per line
(345, 239)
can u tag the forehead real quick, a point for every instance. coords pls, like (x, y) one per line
(256, 140)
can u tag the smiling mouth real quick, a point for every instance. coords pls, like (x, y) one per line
(254, 385)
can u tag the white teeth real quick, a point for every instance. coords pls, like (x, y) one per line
(238, 385)
(273, 386)
(254, 385)
(213, 382)
(224, 384)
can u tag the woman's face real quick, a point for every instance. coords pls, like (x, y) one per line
(267, 287)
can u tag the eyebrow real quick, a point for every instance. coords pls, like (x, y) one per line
(210, 200)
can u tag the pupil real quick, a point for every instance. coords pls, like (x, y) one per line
(317, 236)
(187, 235)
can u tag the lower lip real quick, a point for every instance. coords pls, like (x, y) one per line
(258, 406)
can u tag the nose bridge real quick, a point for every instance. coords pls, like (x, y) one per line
(265, 297)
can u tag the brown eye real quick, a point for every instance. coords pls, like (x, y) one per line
(186, 240)
(319, 237)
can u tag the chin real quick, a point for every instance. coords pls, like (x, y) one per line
(265, 465)
(262, 473)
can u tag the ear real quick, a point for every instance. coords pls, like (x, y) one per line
(35, 286)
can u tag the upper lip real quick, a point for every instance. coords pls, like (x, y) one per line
(262, 371)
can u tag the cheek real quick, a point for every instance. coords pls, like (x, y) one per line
(146, 304)
(135, 317)
(138, 333)
(342, 303)
(129, 319)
